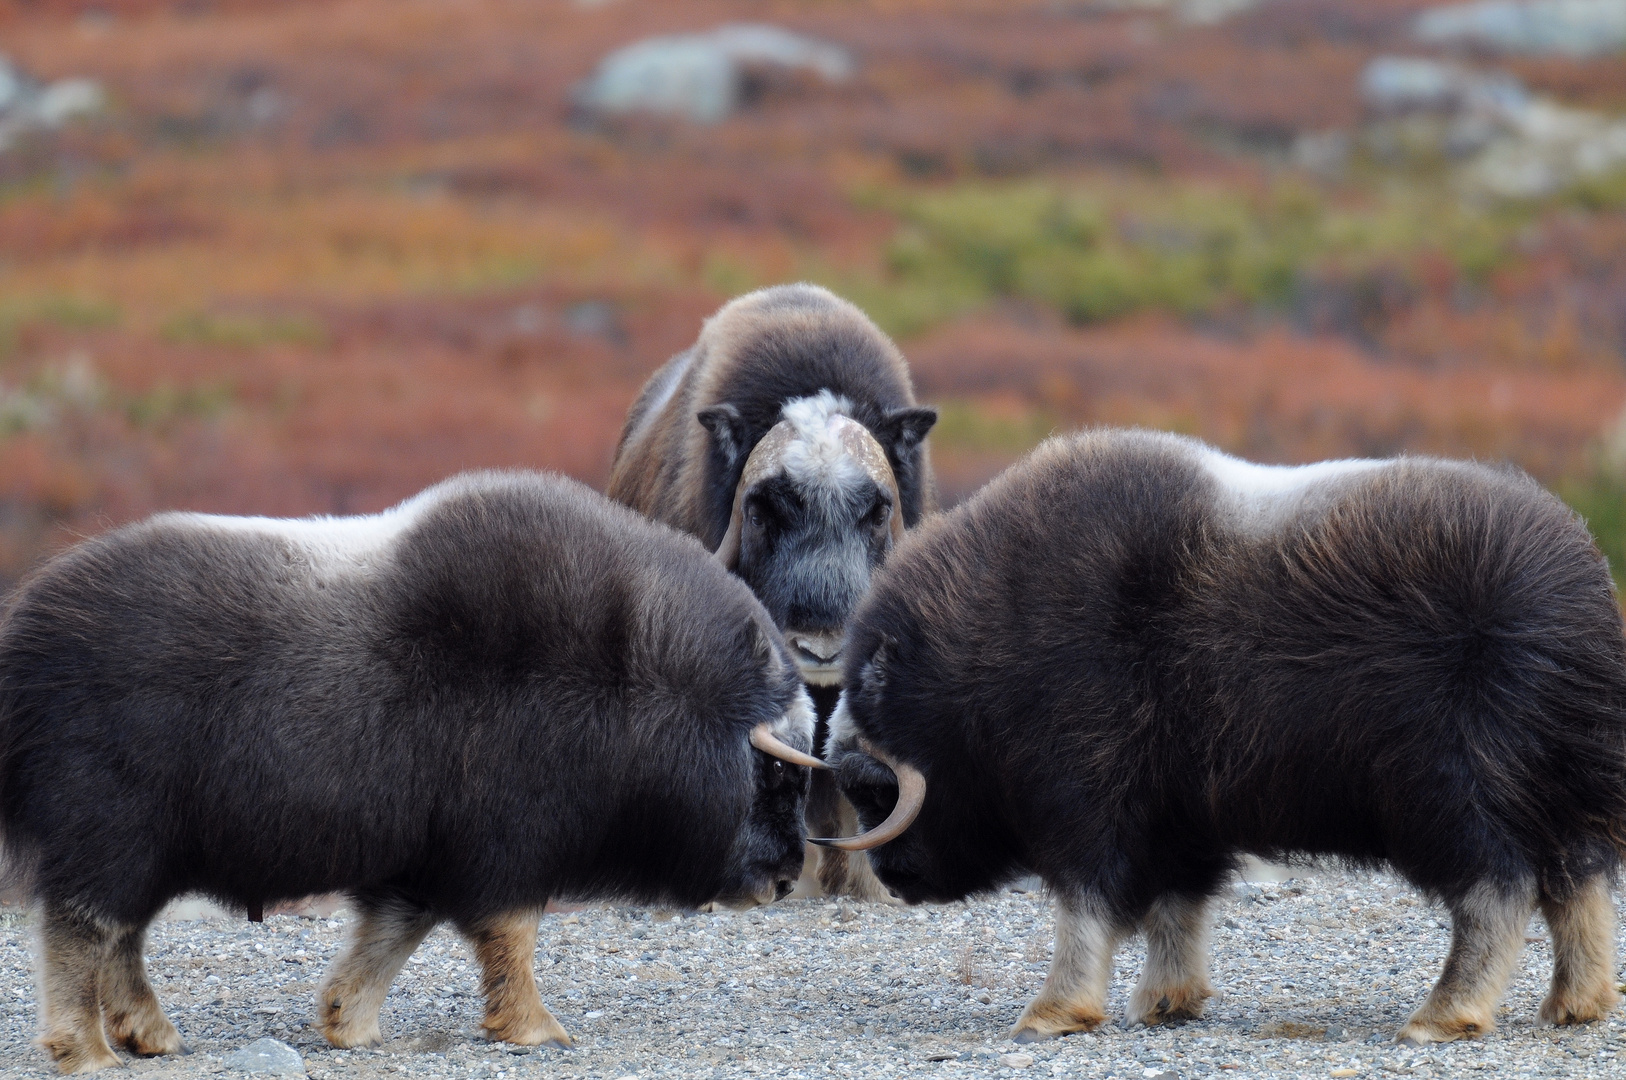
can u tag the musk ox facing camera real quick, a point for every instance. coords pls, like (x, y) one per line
(787, 438)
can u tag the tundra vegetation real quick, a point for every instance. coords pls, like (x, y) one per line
(346, 248)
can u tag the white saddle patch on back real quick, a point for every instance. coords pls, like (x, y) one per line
(1264, 496)
(332, 546)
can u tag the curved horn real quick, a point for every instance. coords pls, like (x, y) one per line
(764, 456)
(763, 738)
(864, 448)
(911, 796)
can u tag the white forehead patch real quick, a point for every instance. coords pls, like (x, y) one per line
(816, 459)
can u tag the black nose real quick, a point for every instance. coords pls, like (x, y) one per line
(782, 889)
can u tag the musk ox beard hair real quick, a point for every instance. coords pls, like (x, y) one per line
(1131, 658)
(787, 368)
(506, 690)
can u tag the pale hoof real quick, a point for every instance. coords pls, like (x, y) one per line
(1561, 1010)
(1421, 1033)
(352, 1036)
(546, 1032)
(1040, 1022)
(1173, 1005)
(167, 1041)
(71, 1056)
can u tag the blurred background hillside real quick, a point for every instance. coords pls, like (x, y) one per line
(309, 256)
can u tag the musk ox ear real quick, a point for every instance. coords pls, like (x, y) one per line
(872, 676)
(727, 430)
(762, 650)
(904, 429)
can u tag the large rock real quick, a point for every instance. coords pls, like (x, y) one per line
(1197, 12)
(28, 105)
(1511, 142)
(267, 1057)
(703, 77)
(1562, 27)
(1400, 84)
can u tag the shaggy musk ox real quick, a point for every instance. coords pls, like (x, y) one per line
(504, 690)
(1131, 658)
(788, 440)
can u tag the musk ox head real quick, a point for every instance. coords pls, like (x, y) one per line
(816, 511)
(767, 854)
(931, 822)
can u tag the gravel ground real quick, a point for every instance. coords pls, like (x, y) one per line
(1315, 975)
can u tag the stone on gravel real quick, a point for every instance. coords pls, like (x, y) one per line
(1016, 1061)
(267, 1057)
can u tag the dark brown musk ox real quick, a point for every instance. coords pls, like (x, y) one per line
(505, 690)
(1132, 658)
(787, 438)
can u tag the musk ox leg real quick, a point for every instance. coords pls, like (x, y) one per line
(1074, 997)
(73, 952)
(386, 930)
(844, 873)
(135, 1020)
(1487, 935)
(506, 948)
(1175, 983)
(1583, 928)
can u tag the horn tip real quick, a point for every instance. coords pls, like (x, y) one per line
(823, 841)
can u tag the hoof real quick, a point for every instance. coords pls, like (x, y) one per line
(150, 1046)
(71, 1057)
(344, 1027)
(1561, 1010)
(1043, 1021)
(545, 1032)
(1175, 1005)
(180, 1049)
(344, 1037)
(1421, 1033)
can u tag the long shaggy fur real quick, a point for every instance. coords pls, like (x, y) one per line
(759, 353)
(507, 690)
(1130, 659)
(816, 527)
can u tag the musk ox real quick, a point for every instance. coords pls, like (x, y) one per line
(505, 690)
(789, 441)
(1131, 658)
